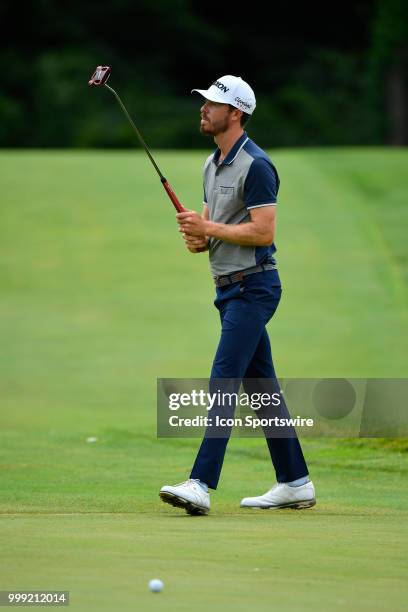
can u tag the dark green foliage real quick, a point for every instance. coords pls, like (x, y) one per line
(321, 77)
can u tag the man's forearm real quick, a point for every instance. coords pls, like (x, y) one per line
(244, 234)
(259, 231)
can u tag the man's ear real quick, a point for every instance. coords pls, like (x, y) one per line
(237, 114)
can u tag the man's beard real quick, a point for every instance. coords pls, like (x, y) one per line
(213, 129)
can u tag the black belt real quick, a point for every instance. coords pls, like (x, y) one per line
(235, 277)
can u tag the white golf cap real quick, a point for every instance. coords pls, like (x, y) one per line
(231, 90)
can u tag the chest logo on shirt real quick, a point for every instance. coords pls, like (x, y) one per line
(226, 190)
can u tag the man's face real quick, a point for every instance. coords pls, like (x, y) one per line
(215, 118)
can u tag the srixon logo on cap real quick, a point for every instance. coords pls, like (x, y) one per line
(221, 86)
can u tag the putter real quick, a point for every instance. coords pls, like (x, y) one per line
(99, 77)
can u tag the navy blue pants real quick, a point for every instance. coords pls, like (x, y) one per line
(243, 352)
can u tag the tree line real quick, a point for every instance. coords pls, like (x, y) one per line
(322, 76)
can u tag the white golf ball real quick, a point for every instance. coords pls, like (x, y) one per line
(156, 585)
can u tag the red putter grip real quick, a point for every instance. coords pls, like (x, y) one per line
(179, 207)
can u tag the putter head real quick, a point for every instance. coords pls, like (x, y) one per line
(100, 76)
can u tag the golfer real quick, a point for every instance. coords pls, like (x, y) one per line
(237, 227)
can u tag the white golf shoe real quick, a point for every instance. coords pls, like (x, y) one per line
(283, 496)
(188, 495)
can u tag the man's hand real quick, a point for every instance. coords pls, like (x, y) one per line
(196, 244)
(191, 223)
(191, 226)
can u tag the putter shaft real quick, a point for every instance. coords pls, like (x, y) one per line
(176, 203)
(138, 134)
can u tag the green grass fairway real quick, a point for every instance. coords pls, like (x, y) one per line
(99, 298)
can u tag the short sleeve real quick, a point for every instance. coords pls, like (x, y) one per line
(261, 184)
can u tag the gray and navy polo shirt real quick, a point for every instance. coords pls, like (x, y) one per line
(245, 179)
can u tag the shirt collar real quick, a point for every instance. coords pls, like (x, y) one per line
(235, 149)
